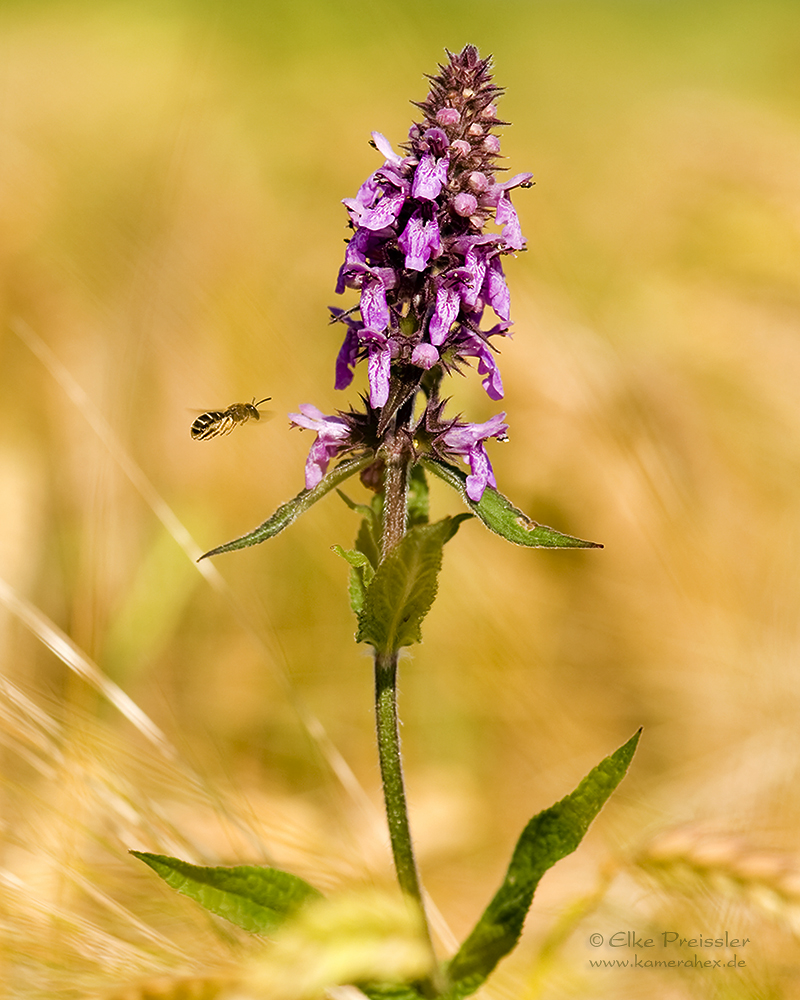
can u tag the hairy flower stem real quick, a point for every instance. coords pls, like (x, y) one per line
(398, 457)
(395, 497)
(394, 795)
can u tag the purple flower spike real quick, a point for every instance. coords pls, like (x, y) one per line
(333, 437)
(426, 264)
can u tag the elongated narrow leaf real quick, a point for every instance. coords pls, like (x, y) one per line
(256, 898)
(293, 508)
(403, 589)
(550, 836)
(501, 516)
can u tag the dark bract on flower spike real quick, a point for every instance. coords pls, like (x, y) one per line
(429, 230)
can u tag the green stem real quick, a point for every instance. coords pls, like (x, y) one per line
(398, 457)
(394, 795)
(392, 774)
(395, 493)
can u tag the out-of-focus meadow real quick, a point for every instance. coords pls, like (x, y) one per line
(170, 186)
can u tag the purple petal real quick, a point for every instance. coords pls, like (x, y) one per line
(374, 309)
(467, 440)
(333, 436)
(419, 240)
(518, 180)
(384, 212)
(475, 265)
(316, 464)
(384, 146)
(493, 383)
(461, 437)
(378, 371)
(346, 360)
(435, 141)
(495, 290)
(448, 300)
(482, 474)
(429, 177)
(506, 217)
(355, 254)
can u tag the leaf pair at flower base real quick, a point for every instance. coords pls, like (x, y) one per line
(495, 510)
(262, 899)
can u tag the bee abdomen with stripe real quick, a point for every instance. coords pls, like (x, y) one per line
(215, 422)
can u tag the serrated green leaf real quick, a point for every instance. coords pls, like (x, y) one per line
(502, 517)
(404, 586)
(361, 574)
(548, 837)
(293, 508)
(256, 898)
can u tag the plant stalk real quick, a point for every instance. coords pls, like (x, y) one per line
(398, 457)
(394, 795)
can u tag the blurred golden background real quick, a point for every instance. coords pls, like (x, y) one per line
(170, 186)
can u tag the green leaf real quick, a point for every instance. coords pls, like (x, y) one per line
(404, 587)
(367, 541)
(360, 508)
(361, 574)
(389, 991)
(293, 508)
(418, 500)
(256, 898)
(550, 836)
(369, 531)
(501, 516)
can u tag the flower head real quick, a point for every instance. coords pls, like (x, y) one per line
(420, 256)
(429, 230)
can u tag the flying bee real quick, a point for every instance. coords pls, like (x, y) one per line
(216, 422)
